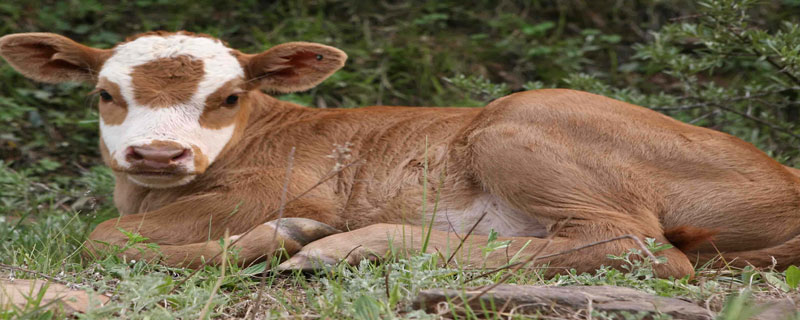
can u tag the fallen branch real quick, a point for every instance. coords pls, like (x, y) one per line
(517, 266)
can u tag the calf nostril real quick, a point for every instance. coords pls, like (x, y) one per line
(183, 155)
(133, 155)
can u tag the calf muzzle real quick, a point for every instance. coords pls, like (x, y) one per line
(160, 158)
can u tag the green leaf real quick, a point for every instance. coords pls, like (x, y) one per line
(537, 29)
(492, 236)
(793, 277)
(133, 238)
(773, 280)
(255, 269)
(750, 276)
(493, 244)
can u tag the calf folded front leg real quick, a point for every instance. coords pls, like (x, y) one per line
(281, 236)
(187, 231)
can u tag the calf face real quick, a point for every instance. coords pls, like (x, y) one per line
(169, 103)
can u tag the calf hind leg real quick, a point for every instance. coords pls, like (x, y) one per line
(580, 193)
(380, 239)
(780, 256)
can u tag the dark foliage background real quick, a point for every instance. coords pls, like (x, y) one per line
(727, 64)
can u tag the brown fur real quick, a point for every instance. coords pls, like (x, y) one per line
(114, 112)
(686, 238)
(51, 58)
(216, 113)
(571, 165)
(292, 66)
(608, 199)
(200, 161)
(166, 82)
(107, 159)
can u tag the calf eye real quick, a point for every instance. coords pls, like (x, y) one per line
(231, 100)
(106, 96)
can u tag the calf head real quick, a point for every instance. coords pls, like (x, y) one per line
(170, 103)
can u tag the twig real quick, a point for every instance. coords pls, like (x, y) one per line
(682, 107)
(441, 256)
(720, 105)
(461, 243)
(386, 281)
(782, 69)
(759, 120)
(734, 99)
(37, 273)
(221, 277)
(688, 17)
(302, 194)
(695, 120)
(348, 255)
(450, 223)
(263, 282)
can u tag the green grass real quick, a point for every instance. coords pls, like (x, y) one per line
(43, 235)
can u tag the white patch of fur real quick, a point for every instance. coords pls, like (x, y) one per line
(501, 217)
(179, 123)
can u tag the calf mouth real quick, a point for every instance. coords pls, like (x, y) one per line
(171, 171)
(157, 173)
(160, 178)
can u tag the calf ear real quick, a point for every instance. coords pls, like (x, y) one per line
(52, 58)
(293, 66)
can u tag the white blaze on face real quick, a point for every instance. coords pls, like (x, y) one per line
(178, 123)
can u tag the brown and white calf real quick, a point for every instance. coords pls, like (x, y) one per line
(198, 149)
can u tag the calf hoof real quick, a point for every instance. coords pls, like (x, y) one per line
(306, 264)
(302, 230)
(371, 242)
